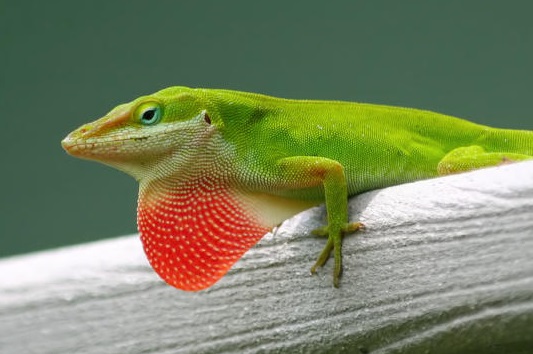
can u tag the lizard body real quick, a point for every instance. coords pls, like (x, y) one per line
(218, 169)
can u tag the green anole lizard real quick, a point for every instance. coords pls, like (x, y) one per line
(218, 169)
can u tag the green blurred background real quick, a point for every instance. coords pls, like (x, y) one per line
(67, 62)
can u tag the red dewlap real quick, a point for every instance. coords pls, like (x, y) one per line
(193, 233)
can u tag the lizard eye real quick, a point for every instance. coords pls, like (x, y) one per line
(149, 113)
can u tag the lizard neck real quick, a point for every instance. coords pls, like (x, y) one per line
(194, 230)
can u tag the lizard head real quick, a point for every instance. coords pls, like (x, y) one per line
(139, 136)
(194, 225)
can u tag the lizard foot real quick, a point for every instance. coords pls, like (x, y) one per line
(334, 244)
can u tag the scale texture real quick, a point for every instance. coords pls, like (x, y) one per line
(265, 159)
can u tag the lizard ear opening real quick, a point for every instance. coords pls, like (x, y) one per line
(207, 118)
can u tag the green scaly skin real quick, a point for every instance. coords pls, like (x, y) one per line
(271, 158)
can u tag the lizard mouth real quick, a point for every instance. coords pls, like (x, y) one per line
(92, 148)
(72, 146)
(83, 143)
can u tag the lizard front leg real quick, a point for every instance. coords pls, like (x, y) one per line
(310, 171)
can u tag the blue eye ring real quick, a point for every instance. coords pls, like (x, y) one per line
(149, 113)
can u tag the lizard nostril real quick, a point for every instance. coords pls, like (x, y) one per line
(85, 129)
